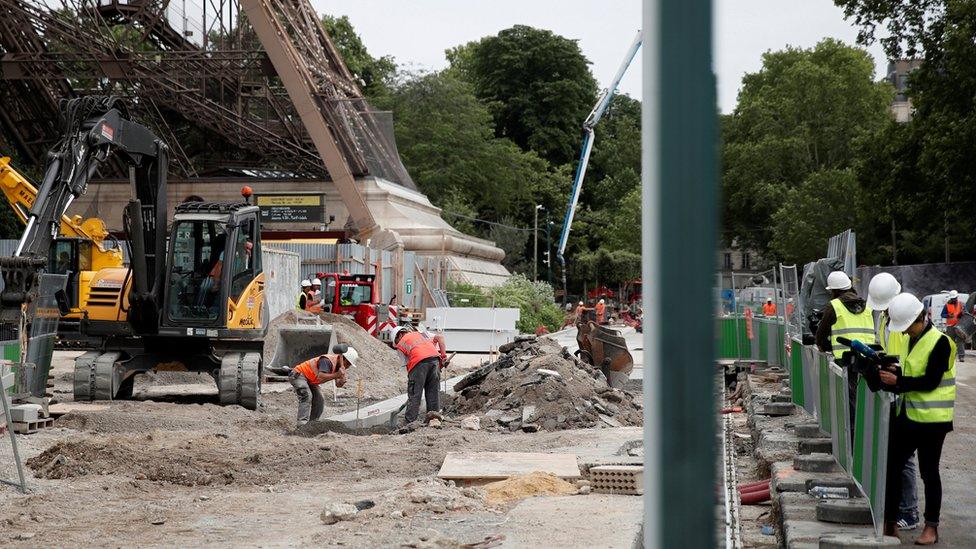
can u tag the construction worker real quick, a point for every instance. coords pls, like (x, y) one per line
(424, 355)
(769, 308)
(303, 297)
(601, 309)
(923, 415)
(317, 292)
(952, 312)
(847, 316)
(307, 376)
(881, 290)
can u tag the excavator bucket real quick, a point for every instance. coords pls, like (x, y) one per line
(606, 349)
(293, 344)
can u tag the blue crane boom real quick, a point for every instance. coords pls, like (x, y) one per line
(588, 135)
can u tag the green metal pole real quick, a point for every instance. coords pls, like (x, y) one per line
(679, 226)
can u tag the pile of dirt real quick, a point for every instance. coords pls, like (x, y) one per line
(201, 460)
(379, 367)
(537, 385)
(526, 486)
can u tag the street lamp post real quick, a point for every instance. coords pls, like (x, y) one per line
(535, 244)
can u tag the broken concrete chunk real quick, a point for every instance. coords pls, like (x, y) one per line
(338, 512)
(471, 423)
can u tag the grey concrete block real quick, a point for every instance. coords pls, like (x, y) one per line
(787, 479)
(856, 541)
(778, 409)
(781, 398)
(839, 481)
(815, 463)
(844, 511)
(815, 446)
(808, 430)
(24, 413)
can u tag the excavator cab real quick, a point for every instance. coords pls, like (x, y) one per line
(214, 268)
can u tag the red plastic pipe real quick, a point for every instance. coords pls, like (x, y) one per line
(732, 410)
(754, 484)
(752, 489)
(752, 498)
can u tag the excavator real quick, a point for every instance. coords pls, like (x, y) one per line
(192, 298)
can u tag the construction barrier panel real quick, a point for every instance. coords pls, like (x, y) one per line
(871, 423)
(840, 416)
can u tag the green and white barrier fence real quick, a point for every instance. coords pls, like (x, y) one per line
(820, 387)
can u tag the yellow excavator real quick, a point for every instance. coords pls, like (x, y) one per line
(85, 253)
(192, 296)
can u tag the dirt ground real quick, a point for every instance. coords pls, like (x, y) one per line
(172, 465)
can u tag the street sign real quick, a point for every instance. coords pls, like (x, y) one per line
(409, 286)
(289, 208)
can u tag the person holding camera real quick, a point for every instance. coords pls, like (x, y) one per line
(923, 414)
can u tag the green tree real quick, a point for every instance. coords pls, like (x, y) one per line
(537, 84)
(826, 203)
(534, 300)
(798, 115)
(375, 74)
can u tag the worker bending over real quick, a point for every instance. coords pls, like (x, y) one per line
(307, 376)
(923, 415)
(424, 356)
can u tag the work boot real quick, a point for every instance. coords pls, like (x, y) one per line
(891, 529)
(930, 535)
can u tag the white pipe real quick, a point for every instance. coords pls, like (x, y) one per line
(651, 269)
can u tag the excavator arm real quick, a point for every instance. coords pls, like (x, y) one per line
(95, 128)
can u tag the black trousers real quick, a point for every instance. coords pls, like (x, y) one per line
(906, 437)
(423, 380)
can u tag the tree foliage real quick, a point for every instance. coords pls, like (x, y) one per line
(534, 300)
(374, 74)
(537, 85)
(800, 114)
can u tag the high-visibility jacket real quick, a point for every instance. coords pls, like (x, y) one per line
(769, 309)
(894, 343)
(310, 368)
(852, 326)
(953, 313)
(417, 347)
(930, 406)
(298, 301)
(600, 309)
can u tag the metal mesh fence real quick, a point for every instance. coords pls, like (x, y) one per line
(790, 281)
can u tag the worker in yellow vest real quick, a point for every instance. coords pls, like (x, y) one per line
(847, 316)
(924, 412)
(881, 290)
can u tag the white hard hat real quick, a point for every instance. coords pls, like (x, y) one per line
(306, 283)
(903, 311)
(953, 294)
(316, 282)
(838, 280)
(581, 303)
(882, 289)
(388, 334)
(601, 301)
(351, 355)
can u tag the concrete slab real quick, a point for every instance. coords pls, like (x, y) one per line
(556, 522)
(381, 412)
(862, 541)
(787, 479)
(481, 466)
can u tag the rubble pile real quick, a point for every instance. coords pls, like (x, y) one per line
(537, 385)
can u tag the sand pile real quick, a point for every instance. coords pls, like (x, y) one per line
(538, 385)
(526, 486)
(379, 366)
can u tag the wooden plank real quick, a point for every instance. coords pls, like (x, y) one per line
(470, 466)
(61, 408)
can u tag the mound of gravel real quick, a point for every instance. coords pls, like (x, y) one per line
(537, 385)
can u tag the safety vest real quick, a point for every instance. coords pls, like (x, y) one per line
(769, 309)
(852, 326)
(416, 347)
(953, 312)
(930, 406)
(600, 308)
(309, 368)
(298, 301)
(894, 343)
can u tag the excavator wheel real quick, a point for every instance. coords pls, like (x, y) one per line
(239, 380)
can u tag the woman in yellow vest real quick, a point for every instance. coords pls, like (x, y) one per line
(924, 412)
(847, 316)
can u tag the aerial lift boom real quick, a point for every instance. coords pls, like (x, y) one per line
(588, 136)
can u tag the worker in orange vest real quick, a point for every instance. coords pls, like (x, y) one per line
(952, 312)
(769, 308)
(307, 376)
(424, 355)
(601, 309)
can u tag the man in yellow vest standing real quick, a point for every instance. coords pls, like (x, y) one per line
(924, 412)
(847, 316)
(882, 289)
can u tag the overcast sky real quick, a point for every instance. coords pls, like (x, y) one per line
(416, 32)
